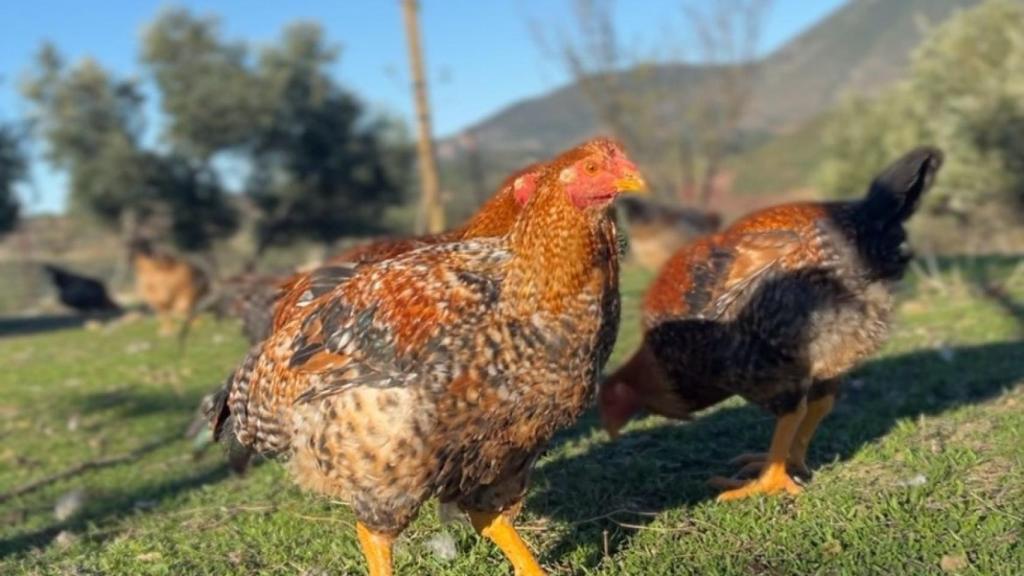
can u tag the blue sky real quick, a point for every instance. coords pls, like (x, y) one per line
(481, 55)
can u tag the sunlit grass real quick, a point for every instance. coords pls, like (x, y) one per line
(920, 468)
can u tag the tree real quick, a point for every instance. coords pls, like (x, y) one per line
(320, 167)
(679, 120)
(208, 91)
(92, 124)
(317, 165)
(432, 209)
(12, 170)
(196, 209)
(964, 93)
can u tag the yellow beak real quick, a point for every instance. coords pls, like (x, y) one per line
(631, 183)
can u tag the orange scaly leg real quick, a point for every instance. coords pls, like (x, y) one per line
(817, 410)
(376, 549)
(496, 527)
(773, 478)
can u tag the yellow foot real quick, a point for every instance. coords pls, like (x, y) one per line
(753, 463)
(498, 528)
(768, 483)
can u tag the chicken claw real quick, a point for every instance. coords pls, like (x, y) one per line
(773, 480)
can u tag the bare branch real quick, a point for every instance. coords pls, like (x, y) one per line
(678, 120)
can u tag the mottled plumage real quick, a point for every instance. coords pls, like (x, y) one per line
(775, 309)
(445, 370)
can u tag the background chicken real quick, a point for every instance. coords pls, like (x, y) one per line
(170, 286)
(657, 230)
(79, 292)
(775, 309)
(443, 372)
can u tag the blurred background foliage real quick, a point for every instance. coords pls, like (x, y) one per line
(248, 154)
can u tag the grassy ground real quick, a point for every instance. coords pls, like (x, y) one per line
(920, 469)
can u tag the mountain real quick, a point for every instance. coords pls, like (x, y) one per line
(860, 48)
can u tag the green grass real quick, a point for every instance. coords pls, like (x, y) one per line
(921, 467)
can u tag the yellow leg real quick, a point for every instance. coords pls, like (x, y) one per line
(498, 529)
(774, 478)
(376, 549)
(817, 410)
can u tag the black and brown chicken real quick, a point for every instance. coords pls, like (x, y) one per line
(79, 292)
(775, 309)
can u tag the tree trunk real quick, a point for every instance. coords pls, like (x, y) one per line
(129, 230)
(432, 209)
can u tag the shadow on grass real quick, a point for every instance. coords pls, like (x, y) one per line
(106, 508)
(132, 402)
(665, 467)
(26, 325)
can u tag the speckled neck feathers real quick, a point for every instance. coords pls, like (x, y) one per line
(556, 247)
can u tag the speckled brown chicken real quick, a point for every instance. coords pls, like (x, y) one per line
(776, 309)
(444, 372)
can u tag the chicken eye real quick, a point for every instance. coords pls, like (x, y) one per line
(590, 167)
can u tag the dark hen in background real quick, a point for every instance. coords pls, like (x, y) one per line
(82, 293)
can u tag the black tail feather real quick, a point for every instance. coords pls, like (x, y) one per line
(896, 192)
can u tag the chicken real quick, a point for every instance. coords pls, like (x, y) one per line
(776, 309)
(81, 293)
(443, 372)
(170, 286)
(657, 230)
